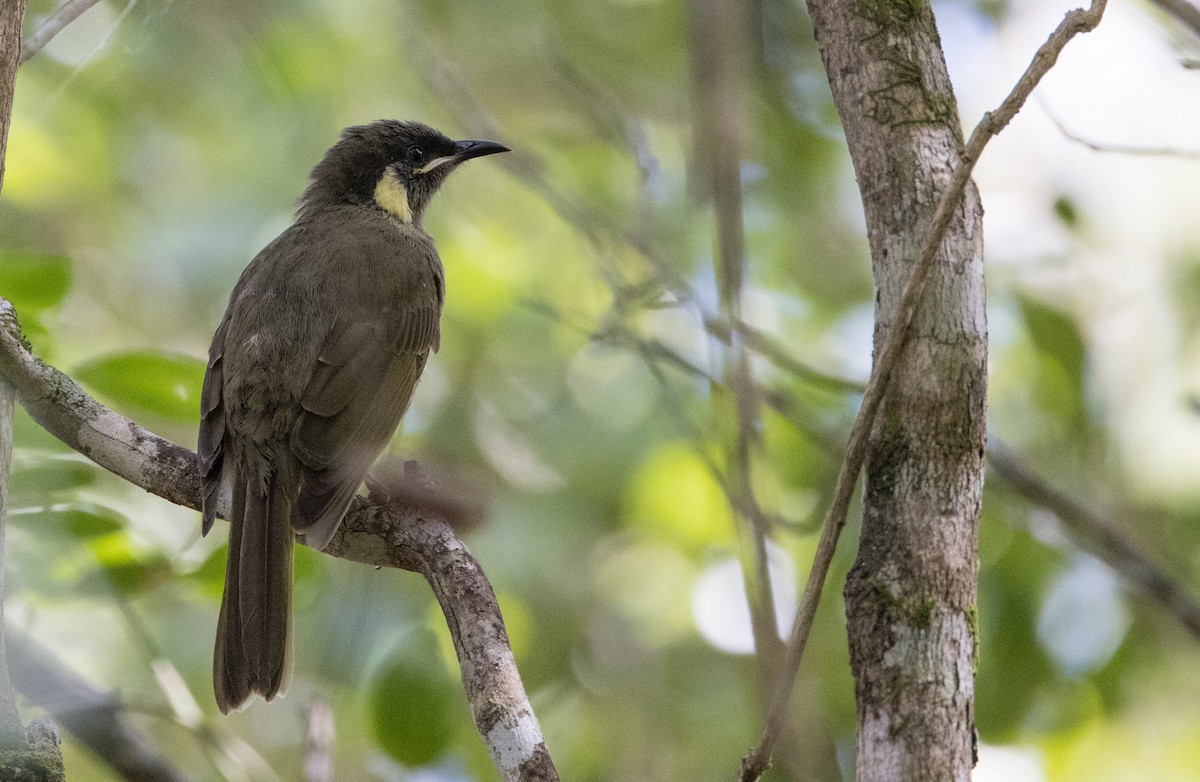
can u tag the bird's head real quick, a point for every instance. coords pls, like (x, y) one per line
(395, 166)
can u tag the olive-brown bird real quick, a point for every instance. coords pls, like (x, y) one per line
(310, 371)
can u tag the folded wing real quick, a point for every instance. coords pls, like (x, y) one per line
(359, 390)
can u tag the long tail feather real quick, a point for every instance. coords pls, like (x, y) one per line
(253, 647)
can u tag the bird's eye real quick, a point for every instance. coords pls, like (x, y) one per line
(416, 155)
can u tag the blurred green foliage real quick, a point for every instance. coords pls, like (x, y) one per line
(412, 702)
(34, 284)
(156, 147)
(141, 383)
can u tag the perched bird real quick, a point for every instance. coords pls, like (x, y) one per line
(310, 371)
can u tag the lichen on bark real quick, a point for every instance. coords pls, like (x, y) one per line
(910, 593)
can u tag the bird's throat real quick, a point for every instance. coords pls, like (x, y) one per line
(392, 197)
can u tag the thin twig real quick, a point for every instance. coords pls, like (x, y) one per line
(1098, 535)
(770, 348)
(54, 24)
(1086, 529)
(1076, 21)
(718, 53)
(526, 168)
(1120, 149)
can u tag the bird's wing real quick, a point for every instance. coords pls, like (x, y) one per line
(211, 444)
(362, 383)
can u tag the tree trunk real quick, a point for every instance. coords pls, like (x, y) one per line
(12, 12)
(12, 734)
(910, 598)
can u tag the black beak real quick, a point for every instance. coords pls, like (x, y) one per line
(465, 150)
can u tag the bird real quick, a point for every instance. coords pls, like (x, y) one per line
(309, 373)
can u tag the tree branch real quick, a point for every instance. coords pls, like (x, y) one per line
(1077, 21)
(1120, 149)
(1092, 532)
(54, 24)
(394, 534)
(95, 718)
(718, 77)
(35, 755)
(1086, 529)
(12, 735)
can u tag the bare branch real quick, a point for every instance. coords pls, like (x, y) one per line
(110, 440)
(383, 534)
(1088, 530)
(1100, 536)
(1120, 149)
(95, 718)
(54, 24)
(768, 346)
(1077, 21)
(718, 65)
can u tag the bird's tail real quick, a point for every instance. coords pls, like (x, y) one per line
(253, 650)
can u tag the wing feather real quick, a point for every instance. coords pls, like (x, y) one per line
(360, 389)
(211, 443)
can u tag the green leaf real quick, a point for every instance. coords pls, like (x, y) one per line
(413, 703)
(1055, 335)
(210, 576)
(89, 520)
(125, 578)
(121, 569)
(1066, 211)
(149, 382)
(34, 283)
(1006, 623)
(1061, 355)
(307, 573)
(35, 479)
(674, 496)
(83, 520)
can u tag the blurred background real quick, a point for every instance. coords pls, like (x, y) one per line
(157, 146)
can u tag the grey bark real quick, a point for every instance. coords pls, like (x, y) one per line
(392, 534)
(12, 12)
(12, 734)
(54, 24)
(910, 598)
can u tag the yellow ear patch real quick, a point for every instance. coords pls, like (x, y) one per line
(392, 197)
